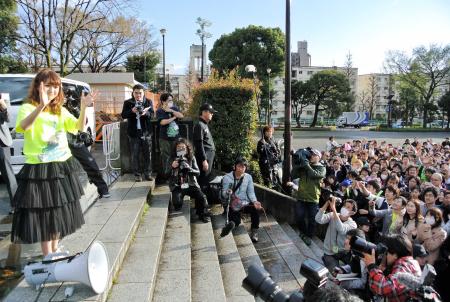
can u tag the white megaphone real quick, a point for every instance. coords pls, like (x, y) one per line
(90, 268)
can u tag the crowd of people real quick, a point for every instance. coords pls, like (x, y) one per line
(396, 197)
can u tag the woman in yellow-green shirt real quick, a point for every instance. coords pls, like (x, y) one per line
(47, 206)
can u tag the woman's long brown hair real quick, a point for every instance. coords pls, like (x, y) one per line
(47, 76)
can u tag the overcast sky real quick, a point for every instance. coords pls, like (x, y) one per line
(365, 28)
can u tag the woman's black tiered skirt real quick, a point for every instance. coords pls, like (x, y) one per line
(47, 202)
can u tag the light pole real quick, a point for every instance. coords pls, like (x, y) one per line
(252, 69)
(203, 34)
(287, 98)
(163, 33)
(269, 106)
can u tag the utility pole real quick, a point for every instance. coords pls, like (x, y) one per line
(203, 34)
(287, 98)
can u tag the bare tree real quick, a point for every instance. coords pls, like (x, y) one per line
(107, 48)
(425, 71)
(49, 27)
(372, 94)
(363, 100)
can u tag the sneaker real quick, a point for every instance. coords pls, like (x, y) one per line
(105, 195)
(306, 239)
(137, 178)
(227, 229)
(149, 178)
(254, 235)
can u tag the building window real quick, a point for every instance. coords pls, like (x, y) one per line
(300, 72)
(294, 73)
(309, 112)
(310, 72)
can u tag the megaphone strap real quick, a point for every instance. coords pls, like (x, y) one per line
(69, 258)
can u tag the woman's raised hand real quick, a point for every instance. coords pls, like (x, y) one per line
(43, 96)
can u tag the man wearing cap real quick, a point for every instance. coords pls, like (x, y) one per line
(204, 145)
(311, 172)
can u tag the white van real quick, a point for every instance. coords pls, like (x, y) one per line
(18, 85)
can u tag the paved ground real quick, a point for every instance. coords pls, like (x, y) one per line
(318, 139)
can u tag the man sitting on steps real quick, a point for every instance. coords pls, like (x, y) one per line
(238, 187)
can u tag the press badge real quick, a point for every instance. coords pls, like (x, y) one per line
(335, 249)
(185, 185)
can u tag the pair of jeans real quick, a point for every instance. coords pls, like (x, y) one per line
(138, 145)
(235, 216)
(306, 216)
(193, 192)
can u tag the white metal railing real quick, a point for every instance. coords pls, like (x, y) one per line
(111, 145)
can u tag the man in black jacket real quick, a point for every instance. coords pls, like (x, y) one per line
(139, 111)
(204, 145)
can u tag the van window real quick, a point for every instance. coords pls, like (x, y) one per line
(17, 88)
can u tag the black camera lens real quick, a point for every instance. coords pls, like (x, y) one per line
(258, 282)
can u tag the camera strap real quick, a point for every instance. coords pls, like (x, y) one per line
(238, 184)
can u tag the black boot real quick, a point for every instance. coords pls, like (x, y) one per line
(227, 229)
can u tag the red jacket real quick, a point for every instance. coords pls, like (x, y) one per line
(388, 286)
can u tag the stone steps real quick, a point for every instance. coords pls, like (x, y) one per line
(104, 222)
(231, 264)
(173, 282)
(137, 277)
(207, 282)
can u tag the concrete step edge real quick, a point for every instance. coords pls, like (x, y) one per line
(137, 276)
(173, 281)
(231, 266)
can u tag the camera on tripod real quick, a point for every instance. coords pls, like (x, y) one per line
(259, 282)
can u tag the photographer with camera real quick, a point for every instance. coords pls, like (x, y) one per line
(169, 131)
(139, 112)
(338, 226)
(269, 155)
(183, 181)
(398, 259)
(237, 187)
(79, 144)
(310, 172)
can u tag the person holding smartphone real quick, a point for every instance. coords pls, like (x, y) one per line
(5, 155)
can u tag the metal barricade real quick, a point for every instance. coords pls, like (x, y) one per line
(111, 145)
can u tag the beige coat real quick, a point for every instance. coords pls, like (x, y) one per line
(432, 240)
(410, 228)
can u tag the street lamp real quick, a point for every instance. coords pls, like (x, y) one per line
(163, 33)
(269, 108)
(203, 34)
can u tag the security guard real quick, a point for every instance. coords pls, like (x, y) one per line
(204, 145)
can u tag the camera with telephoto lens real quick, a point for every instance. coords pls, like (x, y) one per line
(302, 155)
(327, 193)
(360, 246)
(259, 282)
(183, 165)
(139, 107)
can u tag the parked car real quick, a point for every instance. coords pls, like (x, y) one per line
(17, 85)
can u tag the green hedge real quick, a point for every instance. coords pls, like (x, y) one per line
(234, 125)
